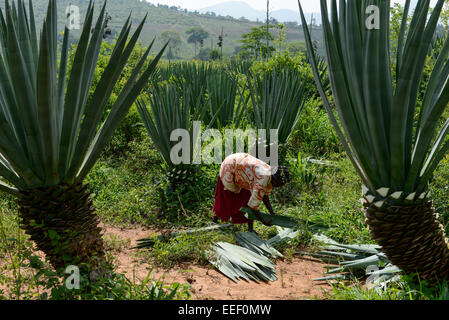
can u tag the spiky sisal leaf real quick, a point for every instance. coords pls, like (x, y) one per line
(277, 99)
(48, 129)
(171, 110)
(378, 129)
(223, 100)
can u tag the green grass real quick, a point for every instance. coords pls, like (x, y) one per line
(401, 289)
(185, 248)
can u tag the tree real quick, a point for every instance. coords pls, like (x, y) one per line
(174, 42)
(255, 44)
(197, 35)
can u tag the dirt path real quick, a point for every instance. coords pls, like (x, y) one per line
(295, 278)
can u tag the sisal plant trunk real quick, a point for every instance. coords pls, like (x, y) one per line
(62, 223)
(412, 237)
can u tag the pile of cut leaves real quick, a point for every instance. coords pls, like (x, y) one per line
(251, 259)
(359, 260)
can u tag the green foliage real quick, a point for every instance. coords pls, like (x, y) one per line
(439, 189)
(119, 287)
(196, 35)
(160, 18)
(129, 183)
(239, 66)
(402, 289)
(296, 63)
(188, 199)
(129, 130)
(281, 39)
(255, 44)
(185, 248)
(314, 134)
(215, 55)
(134, 189)
(299, 169)
(190, 75)
(205, 54)
(296, 47)
(125, 188)
(277, 100)
(208, 54)
(225, 104)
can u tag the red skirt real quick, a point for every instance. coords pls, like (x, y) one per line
(228, 204)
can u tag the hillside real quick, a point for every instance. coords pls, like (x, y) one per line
(161, 18)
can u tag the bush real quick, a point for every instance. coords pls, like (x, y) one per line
(130, 130)
(314, 134)
(297, 62)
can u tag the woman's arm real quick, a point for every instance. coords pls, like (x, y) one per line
(267, 203)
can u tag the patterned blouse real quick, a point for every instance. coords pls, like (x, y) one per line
(243, 171)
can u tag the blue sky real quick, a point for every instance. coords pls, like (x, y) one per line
(309, 5)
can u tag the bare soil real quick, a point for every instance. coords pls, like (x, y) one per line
(295, 277)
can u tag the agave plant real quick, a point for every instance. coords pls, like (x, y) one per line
(189, 76)
(193, 74)
(277, 101)
(224, 104)
(170, 111)
(50, 135)
(394, 155)
(237, 67)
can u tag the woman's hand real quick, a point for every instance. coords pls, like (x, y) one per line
(268, 223)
